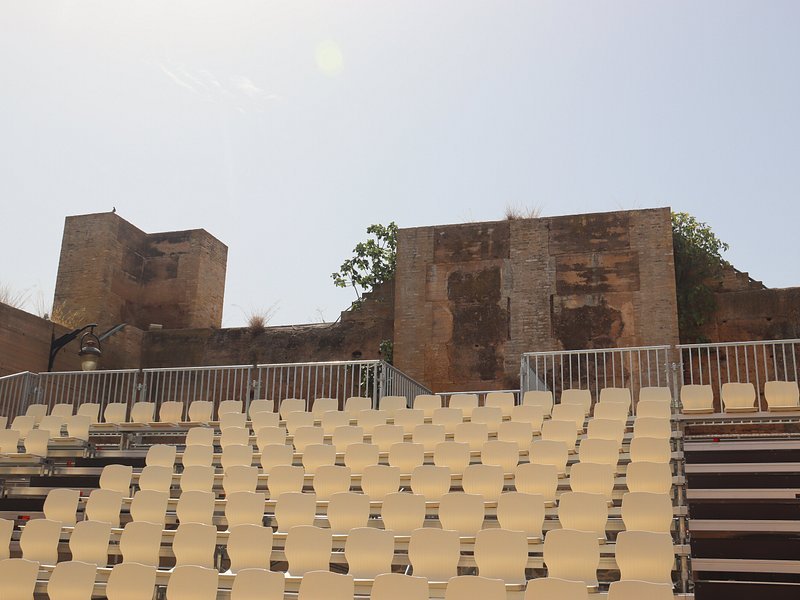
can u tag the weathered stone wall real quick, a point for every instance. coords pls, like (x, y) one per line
(470, 299)
(756, 314)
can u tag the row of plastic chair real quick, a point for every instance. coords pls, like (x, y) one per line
(739, 397)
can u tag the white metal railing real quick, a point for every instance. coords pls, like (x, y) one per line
(481, 395)
(753, 362)
(394, 382)
(17, 392)
(79, 387)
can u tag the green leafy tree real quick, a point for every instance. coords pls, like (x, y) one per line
(373, 261)
(698, 260)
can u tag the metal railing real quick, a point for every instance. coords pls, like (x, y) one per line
(740, 362)
(633, 368)
(79, 387)
(396, 383)
(17, 392)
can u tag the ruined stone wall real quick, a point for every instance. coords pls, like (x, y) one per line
(756, 314)
(471, 298)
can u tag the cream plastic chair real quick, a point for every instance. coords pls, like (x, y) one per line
(569, 412)
(249, 547)
(37, 411)
(409, 419)
(232, 419)
(234, 436)
(131, 581)
(322, 405)
(379, 480)
(462, 512)
(453, 455)
(547, 452)
(355, 404)
(52, 424)
(192, 582)
(537, 479)
(196, 506)
(241, 478)
(307, 435)
(528, 413)
(738, 397)
(284, 478)
(140, 542)
(502, 400)
(117, 478)
(331, 479)
(655, 394)
(89, 542)
(19, 578)
(402, 512)
(782, 395)
(197, 456)
(273, 455)
(200, 436)
(61, 505)
(396, 586)
(360, 456)
(39, 541)
(392, 404)
(270, 435)
(466, 402)
(583, 511)
(62, 410)
(369, 419)
(467, 587)
(541, 398)
(347, 510)
(295, 508)
(636, 590)
(551, 587)
(645, 556)
(36, 443)
(115, 412)
(607, 429)
(501, 453)
(297, 419)
(428, 435)
(230, 406)
(697, 399)
(156, 478)
(649, 477)
(434, 553)
(518, 511)
(89, 409)
(613, 411)
(369, 552)
(150, 506)
(645, 511)
(616, 394)
(104, 506)
(195, 544)
(430, 481)
(143, 412)
(200, 411)
(318, 455)
(560, 431)
(264, 418)
(78, 427)
(197, 477)
(407, 456)
(258, 584)
(24, 424)
(650, 450)
(9, 441)
(491, 416)
(290, 405)
(161, 455)
(171, 412)
(427, 403)
(307, 549)
(385, 436)
(502, 554)
(331, 419)
(317, 585)
(652, 427)
(71, 580)
(571, 555)
(6, 531)
(603, 452)
(593, 478)
(653, 408)
(582, 398)
(235, 455)
(520, 433)
(245, 508)
(261, 405)
(346, 435)
(473, 434)
(486, 480)
(447, 417)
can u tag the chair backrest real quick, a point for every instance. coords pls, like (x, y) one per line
(518, 511)
(195, 506)
(150, 506)
(234, 436)
(606, 429)
(583, 511)
(654, 408)
(402, 512)
(200, 411)
(635, 590)
(140, 542)
(194, 544)
(62, 410)
(19, 578)
(599, 451)
(655, 427)
(331, 479)
(467, 587)
(37, 411)
(331, 419)
(369, 552)
(645, 511)
(582, 398)
(391, 404)
(369, 419)
(504, 454)
(407, 456)
(296, 419)
(240, 478)
(197, 456)
(502, 400)
(379, 480)
(200, 436)
(308, 548)
(270, 435)
(614, 411)
(61, 505)
(264, 418)
(290, 405)
(552, 587)
(318, 455)
(616, 394)
(427, 403)
(560, 431)
(52, 424)
(447, 417)
(549, 452)
(261, 405)
(24, 423)
(486, 480)
(39, 541)
(541, 398)
(161, 455)
(594, 478)
(171, 412)
(104, 505)
(781, 395)
(78, 427)
(646, 476)
(537, 479)
(466, 402)
(345, 435)
(645, 556)
(143, 412)
(491, 416)
(232, 419)
(430, 481)
(518, 432)
(502, 554)
(738, 396)
(475, 435)
(6, 531)
(697, 398)
(131, 581)
(650, 450)
(9, 441)
(89, 409)
(528, 413)
(36, 442)
(249, 547)
(89, 542)
(285, 478)
(71, 580)
(385, 436)
(656, 394)
(358, 456)
(355, 404)
(244, 508)
(347, 510)
(295, 508)
(434, 553)
(453, 455)
(322, 405)
(273, 455)
(572, 555)
(569, 412)
(396, 586)
(428, 435)
(154, 477)
(461, 512)
(258, 584)
(234, 455)
(409, 418)
(324, 584)
(197, 477)
(307, 435)
(192, 582)
(230, 406)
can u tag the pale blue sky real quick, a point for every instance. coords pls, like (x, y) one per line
(286, 128)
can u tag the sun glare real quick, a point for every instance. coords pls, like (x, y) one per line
(329, 58)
